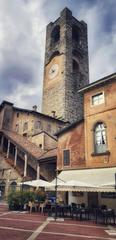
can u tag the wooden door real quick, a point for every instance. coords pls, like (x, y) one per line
(92, 199)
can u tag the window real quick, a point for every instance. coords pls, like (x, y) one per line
(98, 99)
(37, 125)
(24, 134)
(59, 128)
(75, 67)
(66, 157)
(55, 35)
(75, 33)
(17, 128)
(76, 74)
(100, 138)
(17, 114)
(13, 186)
(108, 195)
(25, 126)
(49, 128)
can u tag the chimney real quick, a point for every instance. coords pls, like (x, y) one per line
(34, 108)
(53, 114)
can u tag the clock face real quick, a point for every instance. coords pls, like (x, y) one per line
(53, 71)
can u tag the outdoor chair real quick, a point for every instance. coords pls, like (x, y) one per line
(103, 207)
(105, 216)
(82, 205)
(73, 204)
(58, 211)
(47, 209)
(31, 206)
(108, 216)
(66, 210)
(75, 213)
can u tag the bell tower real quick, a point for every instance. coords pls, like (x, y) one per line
(66, 67)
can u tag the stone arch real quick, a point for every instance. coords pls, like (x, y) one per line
(2, 188)
(13, 185)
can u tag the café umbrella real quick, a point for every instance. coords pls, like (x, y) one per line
(36, 183)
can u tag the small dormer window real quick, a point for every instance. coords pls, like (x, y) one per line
(98, 99)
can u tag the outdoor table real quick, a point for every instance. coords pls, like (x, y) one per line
(61, 210)
(105, 216)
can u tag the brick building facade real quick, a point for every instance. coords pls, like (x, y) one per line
(80, 138)
(87, 149)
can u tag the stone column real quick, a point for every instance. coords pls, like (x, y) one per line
(8, 149)
(15, 160)
(38, 171)
(25, 166)
(2, 143)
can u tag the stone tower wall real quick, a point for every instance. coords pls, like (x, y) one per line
(62, 94)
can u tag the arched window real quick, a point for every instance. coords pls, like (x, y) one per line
(100, 142)
(13, 186)
(2, 188)
(55, 35)
(75, 33)
(75, 66)
(76, 74)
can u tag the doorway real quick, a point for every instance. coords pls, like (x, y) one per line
(92, 199)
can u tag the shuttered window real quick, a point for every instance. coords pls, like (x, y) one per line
(66, 157)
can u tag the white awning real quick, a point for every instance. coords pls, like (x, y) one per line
(89, 180)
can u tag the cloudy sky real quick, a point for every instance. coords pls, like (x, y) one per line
(22, 42)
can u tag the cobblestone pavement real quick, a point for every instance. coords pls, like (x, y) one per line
(36, 226)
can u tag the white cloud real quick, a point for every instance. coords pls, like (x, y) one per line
(22, 44)
(102, 44)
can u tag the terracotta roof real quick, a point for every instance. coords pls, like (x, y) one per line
(40, 114)
(100, 82)
(58, 120)
(49, 154)
(24, 143)
(43, 131)
(66, 129)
